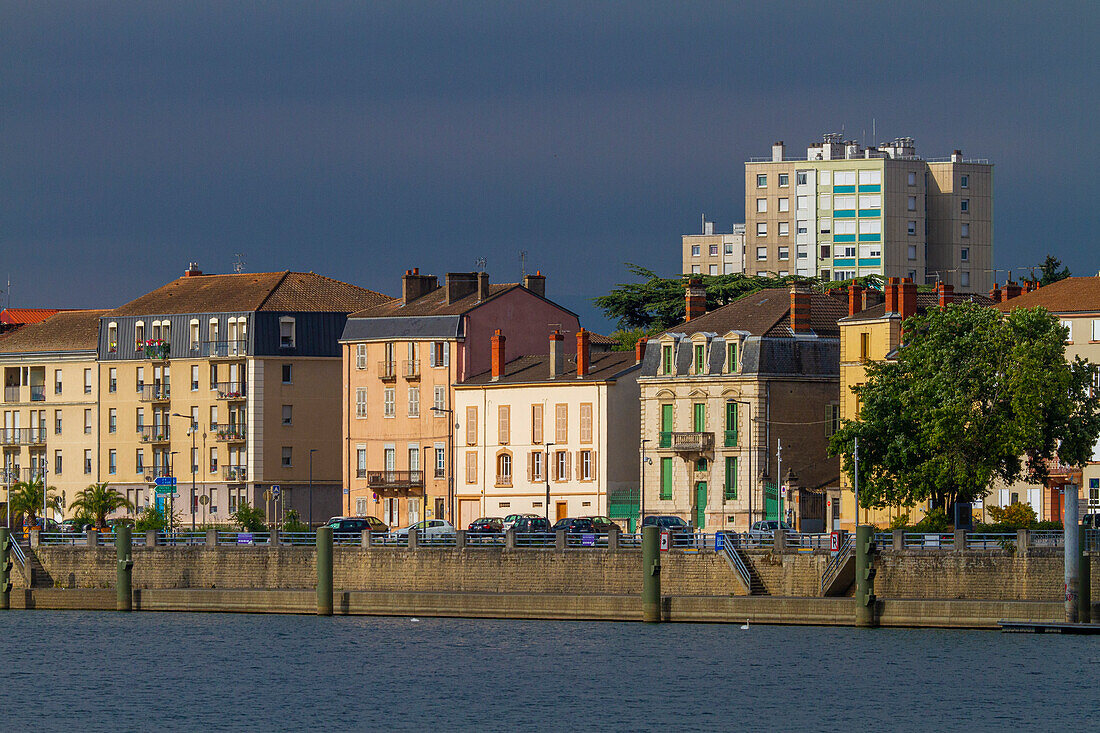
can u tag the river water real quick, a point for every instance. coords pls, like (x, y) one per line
(145, 671)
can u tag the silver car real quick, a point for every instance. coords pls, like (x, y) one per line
(428, 528)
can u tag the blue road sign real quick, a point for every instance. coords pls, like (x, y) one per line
(165, 481)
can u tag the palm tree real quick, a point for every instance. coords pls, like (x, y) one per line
(99, 500)
(26, 499)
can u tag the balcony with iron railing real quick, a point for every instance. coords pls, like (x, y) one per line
(155, 392)
(686, 442)
(155, 349)
(411, 369)
(387, 370)
(22, 436)
(395, 479)
(225, 349)
(231, 433)
(153, 433)
(234, 473)
(154, 472)
(231, 390)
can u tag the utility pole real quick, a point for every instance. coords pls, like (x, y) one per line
(855, 475)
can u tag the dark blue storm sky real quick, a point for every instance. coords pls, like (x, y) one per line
(360, 139)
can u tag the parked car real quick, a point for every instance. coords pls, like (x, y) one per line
(72, 526)
(681, 531)
(765, 529)
(531, 524)
(1091, 521)
(604, 524)
(486, 525)
(510, 520)
(353, 527)
(428, 529)
(579, 525)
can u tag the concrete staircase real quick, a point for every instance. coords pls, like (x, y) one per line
(33, 571)
(840, 572)
(743, 568)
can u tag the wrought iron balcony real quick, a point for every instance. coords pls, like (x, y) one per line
(22, 436)
(691, 442)
(155, 392)
(387, 370)
(232, 433)
(411, 369)
(395, 479)
(234, 473)
(155, 472)
(231, 390)
(153, 433)
(225, 349)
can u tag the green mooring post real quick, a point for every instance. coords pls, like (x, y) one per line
(324, 571)
(1084, 595)
(5, 570)
(651, 575)
(124, 596)
(865, 577)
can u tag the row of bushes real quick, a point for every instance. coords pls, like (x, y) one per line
(1005, 519)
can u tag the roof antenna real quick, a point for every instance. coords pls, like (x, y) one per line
(479, 263)
(522, 263)
(238, 263)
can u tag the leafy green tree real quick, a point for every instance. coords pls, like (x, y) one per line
(99, 500)
(972, 396)
(249, 518)
(151, 518)
(1051, 271)
(26, 499)
(1014, 516)
(657, 303)
(294, 523)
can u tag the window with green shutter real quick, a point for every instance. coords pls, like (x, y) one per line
(731, 478)
(700, 359)
(731, 356)
(666, 427)
(666, 359)
(666, 478)
(700, 417)
(731, 424)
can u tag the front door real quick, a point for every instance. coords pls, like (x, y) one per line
(561, 510)
(701, 505)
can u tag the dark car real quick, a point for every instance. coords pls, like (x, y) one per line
(604, 525)
(532, 525)
(680, 530)
(353, 527)
(486, 526)
(581, 525)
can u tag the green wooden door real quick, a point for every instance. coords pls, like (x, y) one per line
(701, 505)
(666, 427)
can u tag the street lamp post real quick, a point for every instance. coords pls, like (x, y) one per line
(450, 455)
(641, 493)
(171, 497)
(546, 470)
(311, 452)
(194, 460)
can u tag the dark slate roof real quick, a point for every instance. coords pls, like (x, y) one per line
(63, 331)
(925, 300)
(760, 355)
(421, 327)
(1071, 295)
(767, 312)
(603, 367)
(433, 303)
(261, 291)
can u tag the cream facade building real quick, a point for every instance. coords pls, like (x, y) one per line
(847, 211)
(50, 427)
(711, 253)
(552, 434)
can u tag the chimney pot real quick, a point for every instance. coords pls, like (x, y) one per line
(584, 353)
(482, 286)
(696, 299)
(639, 350)
(497, 346)
(907, 298)
(891, 295)
(855, 299)
(800, 310)
(536, 284)
(459, 285)
(557, 354)
(192, 270)
(947, 294)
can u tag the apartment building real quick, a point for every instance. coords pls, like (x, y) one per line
(710, 253)
(549, 434)
(845, 211)
(230, 384)
(736, 409)
(872, 332)
(1076, 303)
(51, 409)
(401, 360)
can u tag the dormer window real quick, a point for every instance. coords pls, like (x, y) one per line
(286, 333)
(732, 363)
(139, 334)
(666, 359)
(112, 338)
(700, 358)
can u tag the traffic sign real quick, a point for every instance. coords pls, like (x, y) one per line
(275, 489)
(204, 500)
(165, 480)
(166, 490)
(666, 541)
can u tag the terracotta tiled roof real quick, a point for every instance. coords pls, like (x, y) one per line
(767, 312)
(599, 338)
(10, 316)
(261, 291)
(63, 331)
(925, 300)
(432, 304)
(1072, 295)
(536, 368)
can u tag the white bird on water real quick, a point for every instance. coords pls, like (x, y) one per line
(746, 626)
(415, 620)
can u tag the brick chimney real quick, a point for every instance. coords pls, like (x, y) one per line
(995, 293)
(946, 294)
(1012, 290)
(584, 353)
(855, 299)
(891, 295)
(192, 270)
(696, 298)
(536, 283)
(459, 285)
(483, 286)
(639, 350)
(414, 285)
(907, 298)
(557, 354)
(497, 348)
(800, 310)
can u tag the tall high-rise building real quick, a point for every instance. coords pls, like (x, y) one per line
(845, 211)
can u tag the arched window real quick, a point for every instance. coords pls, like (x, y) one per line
(504, 468)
